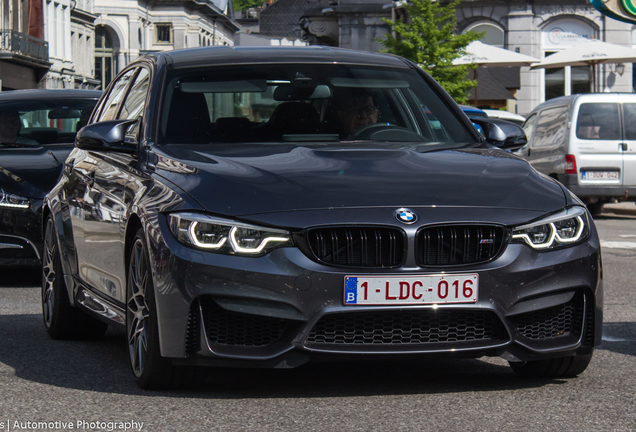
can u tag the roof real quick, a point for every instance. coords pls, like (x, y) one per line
(39, 94)
(488, 88)
(219, 55)
(282, 18)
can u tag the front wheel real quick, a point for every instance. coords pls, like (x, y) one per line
(562, 367)
(151, 370)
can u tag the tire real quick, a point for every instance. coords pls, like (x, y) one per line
(150, 369)
(562, 367)
(61, 320)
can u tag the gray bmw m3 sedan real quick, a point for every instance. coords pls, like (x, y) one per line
(267, 207)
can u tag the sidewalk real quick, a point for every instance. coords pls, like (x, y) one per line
(623, 208)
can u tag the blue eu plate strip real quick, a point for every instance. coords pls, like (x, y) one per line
(351, 290)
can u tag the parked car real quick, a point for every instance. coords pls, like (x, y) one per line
(473, 112)
(37, 130)
(506, 115)
(588, 143)
(266, 207)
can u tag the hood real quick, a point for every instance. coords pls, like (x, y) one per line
(263, 179)
(31, 171)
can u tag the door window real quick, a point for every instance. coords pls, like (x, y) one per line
(598, 121)
(133, 106)
(528, 127)
(117, 92)
(551, 127)
(629, 116)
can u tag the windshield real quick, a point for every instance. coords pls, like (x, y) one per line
(32, 123)
(305, 103)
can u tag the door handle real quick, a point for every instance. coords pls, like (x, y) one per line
(623, 146)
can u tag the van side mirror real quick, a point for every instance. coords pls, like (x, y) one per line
(106, 136)
(501, 133)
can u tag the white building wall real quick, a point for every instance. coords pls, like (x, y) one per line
(525, 26)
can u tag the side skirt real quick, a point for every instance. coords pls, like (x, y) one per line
(105, 310)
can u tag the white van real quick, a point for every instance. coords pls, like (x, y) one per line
(588, 143)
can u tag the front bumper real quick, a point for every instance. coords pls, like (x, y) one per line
(284, 309)
(21, 236)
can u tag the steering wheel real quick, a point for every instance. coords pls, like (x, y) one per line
(385, 132)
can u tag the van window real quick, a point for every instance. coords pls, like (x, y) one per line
(598, 121)
(629, 118)
(551, 127)
(528, 127)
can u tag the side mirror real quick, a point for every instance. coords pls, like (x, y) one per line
(106, 136)
(501, 133)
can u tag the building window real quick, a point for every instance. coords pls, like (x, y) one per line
(103, 56)
(164, 32)
(494, 34)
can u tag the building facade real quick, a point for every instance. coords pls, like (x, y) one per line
(92, 40)
(539, 29)
(536, 28)
(24, 54)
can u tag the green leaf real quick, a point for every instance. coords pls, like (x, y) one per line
(429, 38)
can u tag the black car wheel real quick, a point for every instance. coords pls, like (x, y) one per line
(562, 367)
(61, 320)
(151, 370)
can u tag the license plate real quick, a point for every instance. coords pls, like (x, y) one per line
(398, 290)
(600, 175)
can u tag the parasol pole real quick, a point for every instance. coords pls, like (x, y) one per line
(475, 101)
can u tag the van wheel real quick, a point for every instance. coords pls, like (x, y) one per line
(596, 208)
(562, 367)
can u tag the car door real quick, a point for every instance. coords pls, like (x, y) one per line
(628, 145)
(100, 245)
(597, 140)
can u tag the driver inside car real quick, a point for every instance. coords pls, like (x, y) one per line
(356, 109)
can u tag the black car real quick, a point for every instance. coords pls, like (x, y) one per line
(265, 207)
(37, 130)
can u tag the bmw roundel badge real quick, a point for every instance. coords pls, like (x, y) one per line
(405, 215)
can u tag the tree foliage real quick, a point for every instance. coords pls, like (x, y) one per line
(430, 40)
(239, 5)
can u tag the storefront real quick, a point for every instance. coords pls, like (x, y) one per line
(539, 30)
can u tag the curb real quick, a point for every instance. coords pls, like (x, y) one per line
(621, 209)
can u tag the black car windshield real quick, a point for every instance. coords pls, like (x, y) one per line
(36, 122)
(326, 104)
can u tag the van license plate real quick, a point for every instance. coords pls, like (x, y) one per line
(600, 175)
(400, 290)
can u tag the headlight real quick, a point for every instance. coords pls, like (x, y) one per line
(561, 229)
(8, 200)
(225, 236)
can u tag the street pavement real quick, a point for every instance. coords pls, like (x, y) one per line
(88, 383)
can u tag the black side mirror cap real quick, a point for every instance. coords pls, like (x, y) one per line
(106, 136)
(501, 133)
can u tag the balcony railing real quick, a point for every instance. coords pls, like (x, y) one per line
(21, 43)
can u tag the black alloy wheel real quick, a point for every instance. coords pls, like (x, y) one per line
(151, 370)
(61, 320)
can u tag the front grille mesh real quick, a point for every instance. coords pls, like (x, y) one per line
(358, 246)
(458, 244)
(237, 329)
(549, 323)
(405, 328)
